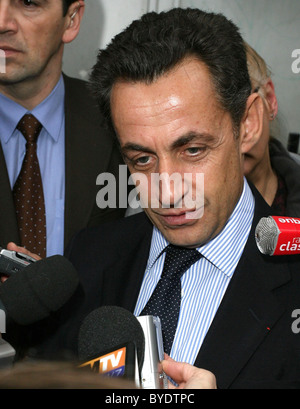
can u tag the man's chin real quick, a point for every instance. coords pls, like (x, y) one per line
(183, 236)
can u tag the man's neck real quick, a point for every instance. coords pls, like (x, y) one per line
(265, 180)
(32, 92)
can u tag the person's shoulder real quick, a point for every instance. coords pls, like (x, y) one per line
(278, 151)
(74, 81)
(124, 231)
(120, 227)
(77, 86)
(81, 104)
(296, 157)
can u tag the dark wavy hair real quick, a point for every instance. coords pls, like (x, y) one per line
(156, 43)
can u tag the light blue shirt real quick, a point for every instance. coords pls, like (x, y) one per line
(51, 155)
(205, 283)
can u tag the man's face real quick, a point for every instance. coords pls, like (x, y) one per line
(176, 125)
(31, 36)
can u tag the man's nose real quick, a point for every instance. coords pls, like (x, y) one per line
(7, 18)
(171, 189)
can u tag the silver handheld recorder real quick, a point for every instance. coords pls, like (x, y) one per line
(152, 375)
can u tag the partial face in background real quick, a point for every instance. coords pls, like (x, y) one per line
(32, 34)
(259, 154)
(177, 125)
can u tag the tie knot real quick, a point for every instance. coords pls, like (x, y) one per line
(178, 260)
(30, 128)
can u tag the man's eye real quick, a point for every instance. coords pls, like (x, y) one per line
(143, 160)
(195, 150)
(28, 3)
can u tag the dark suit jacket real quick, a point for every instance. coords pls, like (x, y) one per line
(250, 343)
(90, 150)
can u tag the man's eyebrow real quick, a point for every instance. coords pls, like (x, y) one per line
(135, 147)
(190, 137)
(181, 141)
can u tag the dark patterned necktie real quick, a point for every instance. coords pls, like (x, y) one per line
(166, 298)
(28, 191)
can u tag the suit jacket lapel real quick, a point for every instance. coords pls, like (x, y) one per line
(8, 222)
(247, 313)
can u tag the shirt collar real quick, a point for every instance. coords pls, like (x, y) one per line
(52, 107)
(158, 245)
(10, 113)
(219, 251)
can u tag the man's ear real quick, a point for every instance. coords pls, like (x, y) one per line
(73, 21)
(271, 98)
(252, 123)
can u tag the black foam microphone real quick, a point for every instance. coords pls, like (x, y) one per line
(114, 342)
(38, 290)
(111, 341)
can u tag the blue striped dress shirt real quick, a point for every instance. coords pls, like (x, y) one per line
(205, 283)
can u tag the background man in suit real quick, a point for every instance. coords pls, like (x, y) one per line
(73, 147)
(184, 105)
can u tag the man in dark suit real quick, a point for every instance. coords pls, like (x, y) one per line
(74, 146)
(184, 106)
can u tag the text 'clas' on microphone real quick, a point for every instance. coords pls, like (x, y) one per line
(278, 235)
(113, 342)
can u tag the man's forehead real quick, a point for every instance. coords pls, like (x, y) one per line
(187, 84)
(190, 70)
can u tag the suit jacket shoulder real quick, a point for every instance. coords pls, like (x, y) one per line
(91, 149)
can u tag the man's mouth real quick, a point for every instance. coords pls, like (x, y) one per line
(9, 51)
(182, 217)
